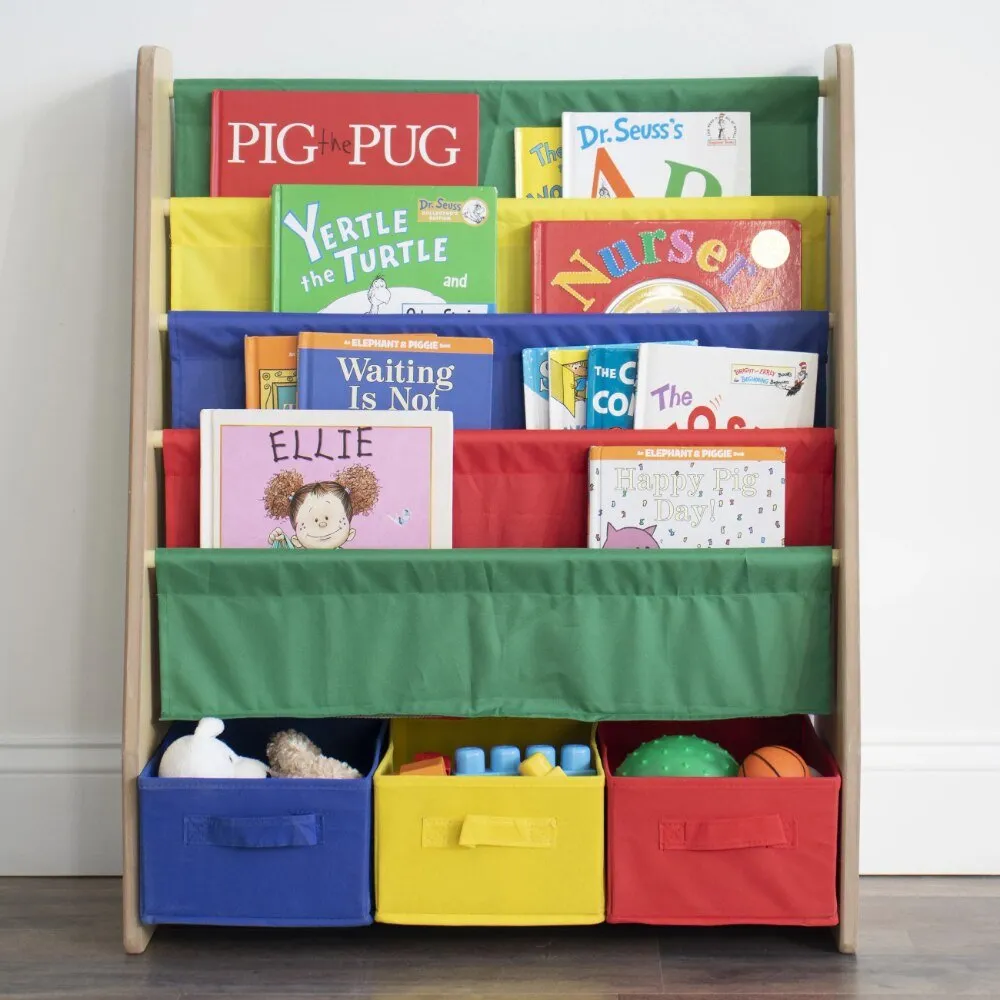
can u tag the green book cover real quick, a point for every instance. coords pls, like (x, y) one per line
(383, 249)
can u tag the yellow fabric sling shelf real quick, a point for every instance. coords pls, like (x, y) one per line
(164, 214)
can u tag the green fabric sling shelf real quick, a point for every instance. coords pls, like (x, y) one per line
(584, 634)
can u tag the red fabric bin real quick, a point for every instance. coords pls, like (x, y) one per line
(702, 851)
(528, 489)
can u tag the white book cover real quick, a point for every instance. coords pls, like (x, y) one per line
(646, 154)
(326, 479)
(692, 497)
(535, 375)
(568, 388)
(723, 388)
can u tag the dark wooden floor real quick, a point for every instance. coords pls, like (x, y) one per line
(919, 938)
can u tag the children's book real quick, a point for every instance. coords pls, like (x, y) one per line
(326, 479)
(266, 137)
(611, 377)
(690, 497)
(655, 155)
(270, 372)
(535, 374)
(568, 388)
(735, 265)
(398, 372)
(383, 249)
(538, 162)
(712, 388)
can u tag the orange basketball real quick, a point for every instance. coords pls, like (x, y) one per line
(774, 762)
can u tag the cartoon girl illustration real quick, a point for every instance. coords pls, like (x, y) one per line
(321, 512)
(378, 295)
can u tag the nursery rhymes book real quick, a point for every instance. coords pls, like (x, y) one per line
(266, 137)
(538, 162)
(655, 155)
(611, 376)
(710, 388)
(270, 372)
(694, 498)
(733, 265)
(383, 249)
(325, 479)
(415, 372)
(568, 388)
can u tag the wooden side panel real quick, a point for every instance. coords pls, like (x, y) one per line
(845, 726)
(140, 731)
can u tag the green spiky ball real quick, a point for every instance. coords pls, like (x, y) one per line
(678, 757)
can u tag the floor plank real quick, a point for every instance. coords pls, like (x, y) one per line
(920, 938)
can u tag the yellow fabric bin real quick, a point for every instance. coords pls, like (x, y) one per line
(221, 247)
(487, 850)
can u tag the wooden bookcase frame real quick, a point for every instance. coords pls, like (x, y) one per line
(141, 730)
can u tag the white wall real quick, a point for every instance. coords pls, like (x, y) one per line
(926, 125)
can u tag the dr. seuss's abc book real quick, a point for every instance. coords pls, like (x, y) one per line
(655, 155)
(611, 378)
(716, 388)
(271, 372)
(702, 266)
(398, 371)
(266, 137)
(325, 479)
(383, 249)
(694, 498)
(538, 162)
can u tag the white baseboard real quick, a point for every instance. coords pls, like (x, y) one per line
(61, 806)
(930, 805)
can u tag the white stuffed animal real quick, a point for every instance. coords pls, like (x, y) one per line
(203, 755)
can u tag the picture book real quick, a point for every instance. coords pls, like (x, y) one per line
(266, 137)
(568, 388)
(736, 265)
(270, 372)
(611, 376)
(712, 388)
(690, 497)
(655, 155)
(538, 162)
(383, 250)
(416, 372)
(326, 479)
(535, 375)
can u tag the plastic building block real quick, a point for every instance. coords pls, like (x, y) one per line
(434, 765)
(432, 756)
(539, 766)
(539, 759)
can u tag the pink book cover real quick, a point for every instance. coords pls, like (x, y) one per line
(326, 479)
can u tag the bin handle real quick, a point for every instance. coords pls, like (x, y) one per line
(476, 830)
(254, 832)
(729, 834)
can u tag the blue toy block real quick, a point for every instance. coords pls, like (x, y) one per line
(574, 759)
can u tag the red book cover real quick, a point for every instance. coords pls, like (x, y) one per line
(731, 265)
(263, 137)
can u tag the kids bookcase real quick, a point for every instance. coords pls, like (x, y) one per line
(143, 729)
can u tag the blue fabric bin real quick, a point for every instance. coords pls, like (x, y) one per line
(292, 852)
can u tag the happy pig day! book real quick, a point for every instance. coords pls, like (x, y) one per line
(655, 155)
(737, 265)
(419, 372)
(271, 367)
(261, 138)
(325, 479)
(383, 249)
(666, 498)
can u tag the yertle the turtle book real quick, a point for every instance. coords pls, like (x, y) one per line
(383, 250)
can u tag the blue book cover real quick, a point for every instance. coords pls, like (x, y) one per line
(611, 375)
(398, 371)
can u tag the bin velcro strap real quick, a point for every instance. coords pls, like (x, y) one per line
(728, 834)
(295, 830)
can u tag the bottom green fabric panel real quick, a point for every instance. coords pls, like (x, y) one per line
(584, 634)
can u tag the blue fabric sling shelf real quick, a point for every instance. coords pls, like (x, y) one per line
(701, 635)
